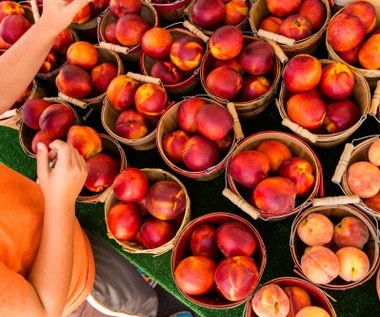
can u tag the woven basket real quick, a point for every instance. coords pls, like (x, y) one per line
(378, 283)
(148, 13)
(154, 175)
(298, 148)
(111, 147)
(361, 95)
(191, 80)
(171, 12)
(247, 109)
(181, 250)
(290, 47)
(350, 155)
(168, 123)
(335, 212)
(96, 102)
(317, 296)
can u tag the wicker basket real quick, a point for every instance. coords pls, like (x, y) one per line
(290, 47)
(168, 123)
(181, 250)
(171, 12)
(361, 95)
(191, 80)
(378, 283)
(317, 296)
(350, 155)
(247, 109)
(96, 102)
(148, 13)
(154, 175)
(298, 148)
(111, 147)
(335, 212)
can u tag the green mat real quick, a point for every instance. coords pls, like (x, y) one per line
(207, 197)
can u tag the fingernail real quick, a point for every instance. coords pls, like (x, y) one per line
(39, 146)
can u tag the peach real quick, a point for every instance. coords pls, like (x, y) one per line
(315, 229)
(109, 33)
(298, 299)
(274, 195)
(98, 6)
(270, 23)
(4, 45)
(200, 153)
(374, 152)
(124, 221)
(83, 15)
(130, 29)
(302, 73)
(151, 100)
(224, 82)
(101, 76)
(270, 300)
(282, 8)
(235, 238)
(351, 57)
(351, 232)
(236, 12)
(373, 202)
(300, 171)
(194, 275)
(169, 73)
(226, 42)
(306, 109)
(225, 143)
(213, 121)
(155, 232)
(248, 167)
(130, 185)
(12, 27)
(341, 115)
(62, 41)
(207, 14)
(121, 92)
(365, 11)
(315, 11)
(49, 63)
(102, 169)
(296, 26)
(276, 151)
(166, 200)
(312, 311)
(130, 124)
(156, 42)
(236, 277)
(10, 8)
(119, 8)
(363, 179)
(43, 137)
(56, 120)
(203, 241)
(85, 139)
(368, 55)
(82, 54)
(31, 111)
(74, 81)
(173, 144)
(256, 58)
(345, 32)
(319, 264)
(186, 52)
(233, 62)
(186, 113)
(254, 86)
(354, 264)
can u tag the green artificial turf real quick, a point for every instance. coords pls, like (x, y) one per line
(206, 197)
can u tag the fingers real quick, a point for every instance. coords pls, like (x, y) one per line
(76, 5)
(42, 160)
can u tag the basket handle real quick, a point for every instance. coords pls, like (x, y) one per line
(114, 47)
(74, 101)
(335, 200)
(342, 164)
(375, 101)
(36, 13)
(296, 128)
(237, 127)
(197, 32)
(144, 78)
(11, 119)
(241, 203)
(278, 51)
(276, 37)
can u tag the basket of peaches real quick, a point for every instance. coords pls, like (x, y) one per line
(146, 210)
(272, 175)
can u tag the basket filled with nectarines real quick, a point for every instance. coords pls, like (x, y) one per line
(321, 100)
(89, 69)
(358, 174)
(173, 54)
(132, 108)
(218, 260)
(242, 69)
(196, 136)
(170, 10)
(120, 29)
(352, 37)
(334, 246)
(298, 26)
(146, 210)
(289, 296)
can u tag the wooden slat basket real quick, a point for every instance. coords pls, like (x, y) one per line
(171, 12)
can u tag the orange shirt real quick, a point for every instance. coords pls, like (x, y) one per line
(21, 216)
